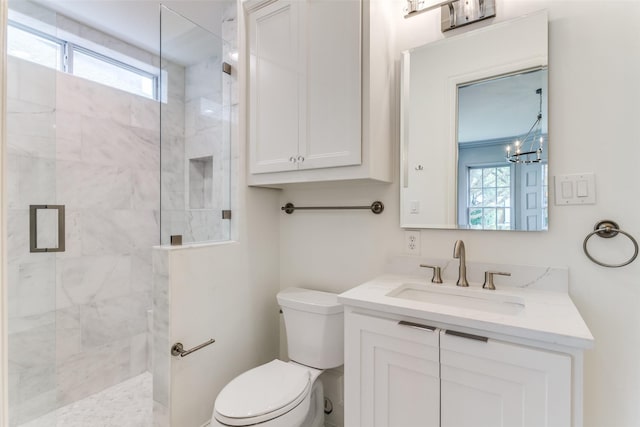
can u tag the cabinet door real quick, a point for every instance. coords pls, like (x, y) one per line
(331, 98)
(494, 384)
(391, 374)
(274, 75)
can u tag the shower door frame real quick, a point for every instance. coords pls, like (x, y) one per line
(4, 406)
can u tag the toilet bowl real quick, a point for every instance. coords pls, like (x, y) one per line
(276, 394)
(289, 394)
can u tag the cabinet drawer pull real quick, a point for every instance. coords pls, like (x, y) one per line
(464, 335)
(416, 325)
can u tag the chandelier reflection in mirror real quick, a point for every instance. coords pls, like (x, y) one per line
(516, 154)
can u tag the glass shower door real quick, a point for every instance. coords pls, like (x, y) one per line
(33, 227)
(195, 133)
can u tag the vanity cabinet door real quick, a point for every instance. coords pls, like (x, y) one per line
(391, 373)
(496, 384)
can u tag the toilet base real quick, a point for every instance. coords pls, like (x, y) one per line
(315, 416)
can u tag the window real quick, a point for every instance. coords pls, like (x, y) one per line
(101, 69)
(490, 203)
(32, 45)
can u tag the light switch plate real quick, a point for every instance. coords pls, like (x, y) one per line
(575, 189)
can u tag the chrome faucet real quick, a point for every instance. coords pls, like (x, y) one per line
(459, 252)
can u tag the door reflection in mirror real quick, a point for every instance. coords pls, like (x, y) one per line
(495, 116)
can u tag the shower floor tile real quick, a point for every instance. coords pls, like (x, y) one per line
(127, 404)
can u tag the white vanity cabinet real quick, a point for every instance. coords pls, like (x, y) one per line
(497, 384)
(392, 373)
(405, 373)
(309, 79)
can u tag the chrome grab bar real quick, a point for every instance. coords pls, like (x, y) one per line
(178, 349)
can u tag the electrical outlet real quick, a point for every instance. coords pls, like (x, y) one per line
(412, 242)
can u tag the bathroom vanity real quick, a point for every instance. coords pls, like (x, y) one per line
(423, 354)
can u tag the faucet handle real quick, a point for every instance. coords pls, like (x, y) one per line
(488, 279)
(436, 278)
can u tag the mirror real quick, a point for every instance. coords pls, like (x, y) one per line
(465, 99)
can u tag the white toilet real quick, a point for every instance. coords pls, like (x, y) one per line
(289, 394)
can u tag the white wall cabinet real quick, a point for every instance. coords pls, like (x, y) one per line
(274, 81)
(310, 74)
(406, 375)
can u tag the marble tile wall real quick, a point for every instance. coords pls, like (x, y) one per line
(173, 200)
(161, 359)
(78, 319)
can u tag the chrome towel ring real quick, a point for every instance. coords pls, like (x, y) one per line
(608, 229)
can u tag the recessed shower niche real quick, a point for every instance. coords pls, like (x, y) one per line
(201, 183)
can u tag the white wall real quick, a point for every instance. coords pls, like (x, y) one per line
(226, 292)
(594, 100)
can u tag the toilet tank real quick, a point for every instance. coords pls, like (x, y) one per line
(314, 322)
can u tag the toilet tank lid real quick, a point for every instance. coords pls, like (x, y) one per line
(310, 300)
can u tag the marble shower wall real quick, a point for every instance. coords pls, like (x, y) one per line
(78, 319)
(108, 177)
(207, 150)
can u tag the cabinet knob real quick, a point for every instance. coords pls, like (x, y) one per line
(488, 279)
(300, 159)
(292, 159)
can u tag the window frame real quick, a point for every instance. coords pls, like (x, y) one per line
(67, 59)
(482, 167)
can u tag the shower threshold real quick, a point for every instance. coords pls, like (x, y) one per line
(127, 404)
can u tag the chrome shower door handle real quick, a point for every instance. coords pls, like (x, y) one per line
(33, 228)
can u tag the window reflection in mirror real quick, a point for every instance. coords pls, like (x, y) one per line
(497, 119)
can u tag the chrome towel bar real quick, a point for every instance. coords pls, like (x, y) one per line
(178, 349)
(376, 207)
(608, 229)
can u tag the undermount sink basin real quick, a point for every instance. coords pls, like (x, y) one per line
(474, 299)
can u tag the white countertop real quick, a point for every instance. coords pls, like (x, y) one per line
(546, 316)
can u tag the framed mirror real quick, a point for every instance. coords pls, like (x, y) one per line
(474, 129)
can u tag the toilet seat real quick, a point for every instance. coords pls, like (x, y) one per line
(263, 393)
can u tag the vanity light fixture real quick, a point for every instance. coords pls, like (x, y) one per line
(516, 154)
(454, 13)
